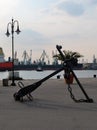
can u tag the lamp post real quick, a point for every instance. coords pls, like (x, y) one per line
(12, 23)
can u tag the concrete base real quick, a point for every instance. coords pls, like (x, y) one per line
(5, 82)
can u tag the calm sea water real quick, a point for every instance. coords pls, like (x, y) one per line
(42, 74)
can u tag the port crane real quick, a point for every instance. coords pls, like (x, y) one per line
(43, 57)
(26, 58)
(55, 60)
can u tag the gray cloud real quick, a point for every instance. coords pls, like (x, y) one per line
(69, 36)
(93, 2)
(71, 8)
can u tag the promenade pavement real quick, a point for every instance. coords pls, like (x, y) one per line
(51, 109)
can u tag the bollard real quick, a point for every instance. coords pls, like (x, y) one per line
(58, 76)
(94, 75)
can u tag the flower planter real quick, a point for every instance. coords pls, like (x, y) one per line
(69, 79)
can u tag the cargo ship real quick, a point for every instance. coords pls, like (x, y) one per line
(43, 67)
(7, 66)
(4, 65)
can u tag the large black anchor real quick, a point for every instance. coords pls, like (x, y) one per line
(26, 90)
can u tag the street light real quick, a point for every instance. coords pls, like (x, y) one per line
(12, 23)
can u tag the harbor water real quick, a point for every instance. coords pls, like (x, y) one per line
(39, 75)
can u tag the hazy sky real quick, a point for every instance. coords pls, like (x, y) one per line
(46, 23)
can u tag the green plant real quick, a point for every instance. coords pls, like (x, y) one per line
(69, 55)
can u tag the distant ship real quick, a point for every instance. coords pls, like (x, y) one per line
(39, 68)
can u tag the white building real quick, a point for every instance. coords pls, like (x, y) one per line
(1, 55)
